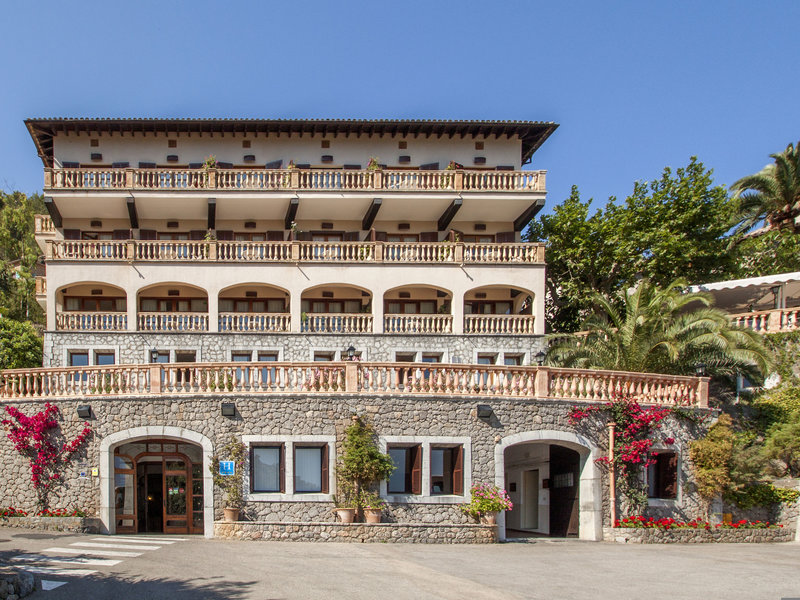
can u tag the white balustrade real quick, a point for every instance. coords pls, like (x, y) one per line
(271, 322)
(499, 324)
(407, 323)
(337, 323)
(173, 321)
(91, 321)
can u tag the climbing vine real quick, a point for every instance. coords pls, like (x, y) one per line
(37, 438)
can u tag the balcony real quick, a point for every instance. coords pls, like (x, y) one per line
(91, 321)
(337, 323)
(778, 320)
(87, 179)
(258, 322)
(172, 321)
(393, 379)
(499, 324)
(294, 252)
(407, 323)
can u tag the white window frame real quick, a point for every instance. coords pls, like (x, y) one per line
(678, 499)
(173, 350)
(426, 441)
(289, 442)
(501, 355)
(92, 351)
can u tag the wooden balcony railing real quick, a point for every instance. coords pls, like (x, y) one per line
(292, 179)
(337, 323)
(499, 324)
(173, 321)
(769, 321)
(91, 321)
(268, 322)
(351, 377)
(293, 252)
(417, 323)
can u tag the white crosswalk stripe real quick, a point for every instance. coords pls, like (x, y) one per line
(114, 546)
(169, 540)
(62, 572)
(75, 560)
(131, 540)
(92, 552)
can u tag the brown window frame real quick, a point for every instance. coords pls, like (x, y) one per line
(452, 478)
(662, 476)
(174, 300)
(324, 470)
(412, 471)
(250, 302)
(281, 467)
(85, 300)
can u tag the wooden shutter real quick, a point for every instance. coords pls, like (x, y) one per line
(121, 234)
(72, 234)
(147, 234)
(416, 469)
(506, 237)
(351, 236)
(197, 234)
(667, 469)
(458, 470)
(282, 468)
(429, 236)
(325, 475)
(226, 236)
(274, 236)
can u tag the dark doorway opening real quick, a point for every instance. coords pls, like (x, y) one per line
(150, 493)
(564, 481)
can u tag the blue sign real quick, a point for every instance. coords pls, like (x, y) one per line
(227, 467)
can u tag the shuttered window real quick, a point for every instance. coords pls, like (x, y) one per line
(662, 477)
(447, 470)
(407, 475)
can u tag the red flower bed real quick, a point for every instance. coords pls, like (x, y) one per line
(61, 512)
(666, 523)
(13, 512)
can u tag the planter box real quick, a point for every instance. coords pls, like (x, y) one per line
(417, 533)
(70, 524)
(632, 535)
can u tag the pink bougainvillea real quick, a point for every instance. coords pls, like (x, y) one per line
(35, 437)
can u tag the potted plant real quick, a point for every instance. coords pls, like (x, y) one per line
(345, 503)
(372, 504)
(233, 484)
(362, 464)
(487, 501)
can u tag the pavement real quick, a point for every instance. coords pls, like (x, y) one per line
(181, 567)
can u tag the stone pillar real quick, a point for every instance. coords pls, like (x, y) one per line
(213, 311)
(295, 306)
(457, 308)
(132, 310)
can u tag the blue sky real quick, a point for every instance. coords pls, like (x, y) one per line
(634, 85)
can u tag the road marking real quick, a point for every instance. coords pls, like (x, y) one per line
(95, 552)
(114, 546)
(55, 571)
(147, 538)
(75, 560)
(132, 540)
(51, 585)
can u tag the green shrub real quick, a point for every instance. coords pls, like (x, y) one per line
(762, 494)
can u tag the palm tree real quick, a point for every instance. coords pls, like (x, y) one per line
(772, 195)
(661, 331)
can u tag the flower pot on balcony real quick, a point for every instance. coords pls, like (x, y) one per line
(372, 515)
(346, 515)
(231, 514)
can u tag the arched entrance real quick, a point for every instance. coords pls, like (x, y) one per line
(156, 480)
(553, 482)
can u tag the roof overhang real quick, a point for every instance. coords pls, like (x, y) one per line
(752, 292)
(532, 134)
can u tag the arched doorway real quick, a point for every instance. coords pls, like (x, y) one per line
(156, 480)
(554, 484)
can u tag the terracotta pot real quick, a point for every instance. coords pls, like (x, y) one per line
(346, 515)
(489, 518)
(231, 514)
(372, 515)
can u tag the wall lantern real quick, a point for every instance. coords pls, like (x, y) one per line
(85, 411)
(153, 355)
(351, 353)
(539, 357)
(484, 412)
(228, 409)
(700, 369)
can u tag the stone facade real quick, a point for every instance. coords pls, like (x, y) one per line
(134, 348)
(697, 536)
(70, 524)
(415, 533)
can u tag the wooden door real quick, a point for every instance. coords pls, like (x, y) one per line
(564, 479)
(177, 492)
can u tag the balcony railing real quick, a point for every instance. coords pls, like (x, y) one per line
(337, 323)
(173, 321)
(418, 323)
(352, 377)
(268, 322)
(769, 321)
(43, 225)
(293, 252)
(499, 324)
(91, 321)
(292, 179)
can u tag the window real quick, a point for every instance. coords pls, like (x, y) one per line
(268, 376)
(267, 468)
(512, 360)
(79, 359)
(241, 356)
(487, 359)
(102, 358)
(432, 357)
(311, 469)
(447, 470)
(407, 475)
(410, 307)
(162, 357)
(324, 356)
(662, 477)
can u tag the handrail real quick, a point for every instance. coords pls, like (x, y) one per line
(353, 377)
(768, 321)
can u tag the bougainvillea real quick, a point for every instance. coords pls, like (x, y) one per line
(634, 437)
(37, 438)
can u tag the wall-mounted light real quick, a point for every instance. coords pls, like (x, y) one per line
(539, 357)
(484, 412)
(85, 411)
(153, 355)
(228, 409)
(351, 353)
(700, 369)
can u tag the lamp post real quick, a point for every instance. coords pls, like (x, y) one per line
(351, 353)
(700, 369)
(153, 355)
(539, 357)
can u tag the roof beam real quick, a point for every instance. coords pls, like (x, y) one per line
(291, 212)
(521, 221)
(212, 213)
(372, 212)
(447, 215)
(133, 216)
(52, 209)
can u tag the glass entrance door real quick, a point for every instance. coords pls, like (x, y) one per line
(176, 507)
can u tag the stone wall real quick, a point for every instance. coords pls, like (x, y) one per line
(632, 535)
(414, 533)
(132, 348)
(70, 524)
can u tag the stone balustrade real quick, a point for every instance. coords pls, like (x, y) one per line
(769, 321)
(265, 322)
(292, 252)
(91, 321)
(376, 378)
(337, 323)
(291, 179)
(499, 324)
(435, 324)
(173, 321)
(43, 225)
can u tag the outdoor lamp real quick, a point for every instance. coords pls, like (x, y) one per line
(351, 353)
(700, 369)
(153, 355)
(539, 358)
(484, 412)
(228, 409)
(85, 411)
